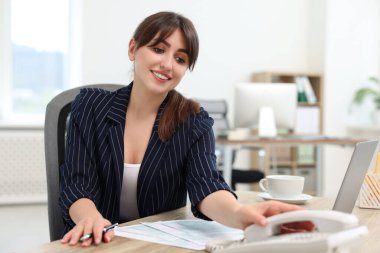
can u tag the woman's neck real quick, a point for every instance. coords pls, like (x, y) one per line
(143, 102)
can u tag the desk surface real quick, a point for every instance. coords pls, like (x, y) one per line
(369, 217)
(291, 140)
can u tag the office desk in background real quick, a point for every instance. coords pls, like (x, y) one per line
(267, 144)
(368, 217)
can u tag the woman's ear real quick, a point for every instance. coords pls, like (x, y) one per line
(132, 49)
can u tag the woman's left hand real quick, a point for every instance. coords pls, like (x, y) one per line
(246, 215)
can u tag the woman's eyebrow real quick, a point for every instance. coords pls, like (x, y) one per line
(168, 45)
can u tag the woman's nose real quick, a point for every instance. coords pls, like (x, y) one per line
(166, 62)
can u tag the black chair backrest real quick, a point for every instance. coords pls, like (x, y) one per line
(217, 109)
(57, 112)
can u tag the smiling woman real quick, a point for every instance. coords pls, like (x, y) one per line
(37, 42)
(142, 149)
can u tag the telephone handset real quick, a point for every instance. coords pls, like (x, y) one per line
(334, 232)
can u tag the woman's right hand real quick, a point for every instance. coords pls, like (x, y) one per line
(89, 225)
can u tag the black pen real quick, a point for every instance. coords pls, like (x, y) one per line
(105, 230)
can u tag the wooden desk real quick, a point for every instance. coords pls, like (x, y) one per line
(368, 217)
(229, 146)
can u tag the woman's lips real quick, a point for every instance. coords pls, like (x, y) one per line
(160, 76)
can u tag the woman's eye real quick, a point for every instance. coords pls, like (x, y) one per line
(158, 50)
(180, 60)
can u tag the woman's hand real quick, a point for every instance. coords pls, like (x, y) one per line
(86, 226)
(246, 215)
(88, 220)
(223, 207)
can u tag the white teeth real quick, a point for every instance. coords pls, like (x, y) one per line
(160, 76)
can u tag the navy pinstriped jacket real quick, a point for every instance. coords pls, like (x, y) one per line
(94, 159)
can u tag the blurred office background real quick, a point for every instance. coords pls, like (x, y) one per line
(47, 46)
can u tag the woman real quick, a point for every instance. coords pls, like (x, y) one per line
(138, 151)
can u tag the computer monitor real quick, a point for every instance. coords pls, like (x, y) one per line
(280, 97)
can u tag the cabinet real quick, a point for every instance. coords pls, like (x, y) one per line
(309, 122)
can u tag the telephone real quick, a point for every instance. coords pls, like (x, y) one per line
(334, 232)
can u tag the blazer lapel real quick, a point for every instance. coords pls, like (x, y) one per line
(153, 159)
(116, 115)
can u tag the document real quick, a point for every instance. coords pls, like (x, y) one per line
(190, 234)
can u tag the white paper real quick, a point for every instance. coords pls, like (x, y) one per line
(310, 95)
(145, 233)
(190, 234)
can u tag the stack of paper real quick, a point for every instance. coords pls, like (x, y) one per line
(190, 234)
(305, 90)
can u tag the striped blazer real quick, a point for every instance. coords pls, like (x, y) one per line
(94, 158)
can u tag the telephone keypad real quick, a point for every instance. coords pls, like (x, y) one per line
(300, 237)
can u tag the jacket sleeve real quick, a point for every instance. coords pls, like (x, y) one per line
(203, 177)
(78, 176)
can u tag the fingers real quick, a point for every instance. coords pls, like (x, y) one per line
(275, 207)
(80, 229)
(108, 236)
(66, 238)
(98, 230)
(257, 213)
(73, 236)
(87, 229)
(271, 208)
(88, 226)
(258, 218)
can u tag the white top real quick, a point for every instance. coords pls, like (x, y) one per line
(128, 196)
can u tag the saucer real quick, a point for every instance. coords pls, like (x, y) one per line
(301, 199)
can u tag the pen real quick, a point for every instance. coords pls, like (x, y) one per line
(105, 230)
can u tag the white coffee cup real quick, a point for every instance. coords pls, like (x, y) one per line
(283, 186)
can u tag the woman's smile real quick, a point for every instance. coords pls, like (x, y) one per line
(161, 76)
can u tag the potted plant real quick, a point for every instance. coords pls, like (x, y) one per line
(373, 93)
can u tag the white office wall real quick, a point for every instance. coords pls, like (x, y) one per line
(316, 34)
(236, 39)
(352, 55)
(243, 36)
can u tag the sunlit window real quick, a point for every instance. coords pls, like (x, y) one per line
(39, 35)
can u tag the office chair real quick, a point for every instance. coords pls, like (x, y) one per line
(217, 109)
(56, 118)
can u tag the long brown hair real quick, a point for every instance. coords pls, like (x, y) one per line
(178, 108)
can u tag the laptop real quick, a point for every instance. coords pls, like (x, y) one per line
(354, 177)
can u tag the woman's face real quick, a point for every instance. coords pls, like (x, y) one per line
(160, 67)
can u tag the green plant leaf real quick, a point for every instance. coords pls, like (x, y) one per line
(372, 92)
(374, 79)
(362, 93)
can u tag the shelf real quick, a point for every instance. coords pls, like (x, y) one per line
(315, 81)
(306, 165)
(303, 104)
(311, 113)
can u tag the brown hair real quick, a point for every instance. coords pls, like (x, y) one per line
(164, 24)
(178, 108)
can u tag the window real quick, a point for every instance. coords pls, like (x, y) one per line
(35, 57)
